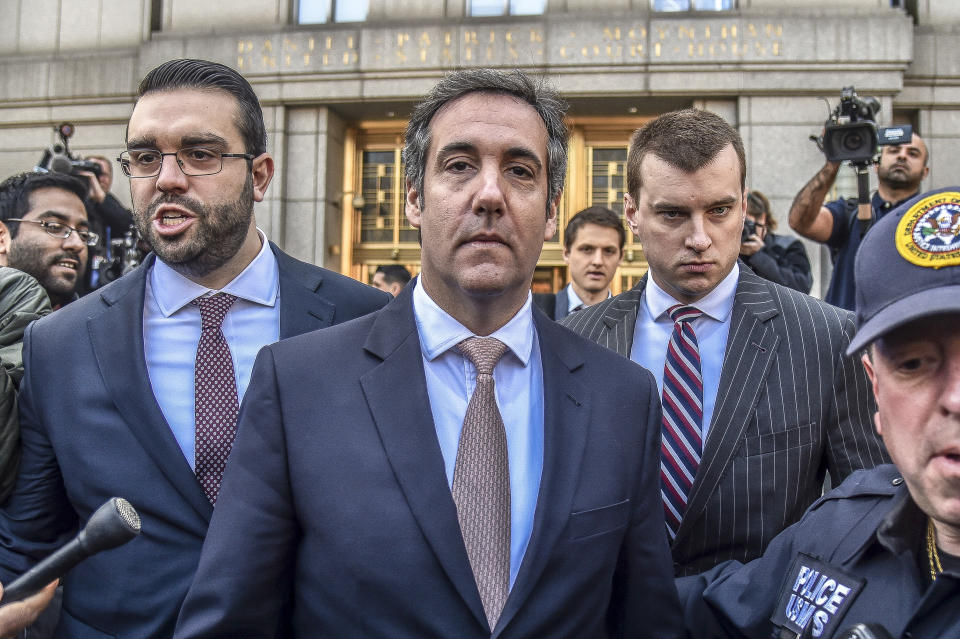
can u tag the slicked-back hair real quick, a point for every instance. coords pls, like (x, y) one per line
(599, 215)
(759, 207)
(204, 75)
(15, 193)
(688, 140)
(539, 94)
(394, 274)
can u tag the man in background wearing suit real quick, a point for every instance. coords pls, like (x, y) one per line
(132, 391)
(511, 497)
(592, 248)
(759, 399)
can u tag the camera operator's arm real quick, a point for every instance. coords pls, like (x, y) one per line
(782, 261)
(95, 191)
(808, 216)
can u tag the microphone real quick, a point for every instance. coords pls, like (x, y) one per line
(111, 525)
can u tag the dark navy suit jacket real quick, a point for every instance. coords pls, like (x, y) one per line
(553, 304)
(337, 519)
(91, 430)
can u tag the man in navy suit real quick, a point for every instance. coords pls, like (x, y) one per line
(108, 399)
(452, 513)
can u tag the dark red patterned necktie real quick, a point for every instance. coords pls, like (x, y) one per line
(215, 395)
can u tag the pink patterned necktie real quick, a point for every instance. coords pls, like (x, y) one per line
(215, 398)
(682, 436)
(481, 481)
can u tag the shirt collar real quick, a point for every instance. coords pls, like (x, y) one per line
(573, 300)
(717, 304)
(259, 282)
(902, 528)
(439, 331)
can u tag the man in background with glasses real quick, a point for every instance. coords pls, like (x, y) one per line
(44, 231)
(134, 390)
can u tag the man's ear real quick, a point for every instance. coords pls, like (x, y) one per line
(631, 214)
(867, 362)
(412, 205)
(262, 167)
(4, 245)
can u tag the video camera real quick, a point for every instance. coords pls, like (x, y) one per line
(851, 132)
(59, 159)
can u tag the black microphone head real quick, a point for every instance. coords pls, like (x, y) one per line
(115, 522)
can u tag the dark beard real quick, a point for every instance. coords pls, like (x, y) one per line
(33, 260)
(899, 180)
(217, 234)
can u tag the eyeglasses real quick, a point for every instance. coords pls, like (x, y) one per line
(62, 231)
(193, 160)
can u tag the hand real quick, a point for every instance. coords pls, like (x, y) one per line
(751, 246)
(18, 615)
(96, 192)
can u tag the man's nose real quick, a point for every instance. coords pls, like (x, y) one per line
(73, 242)
(489, 197)
(697, 237)
(171, 177)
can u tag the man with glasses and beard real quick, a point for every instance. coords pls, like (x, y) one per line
(44, 231)
(134, 390)
(900, 171)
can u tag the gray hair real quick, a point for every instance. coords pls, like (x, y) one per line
(541, 96)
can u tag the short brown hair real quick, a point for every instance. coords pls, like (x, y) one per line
(759, 207)
(687, 139)
(599, 215)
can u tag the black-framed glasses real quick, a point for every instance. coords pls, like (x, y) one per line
(192, 160)
(61, 231)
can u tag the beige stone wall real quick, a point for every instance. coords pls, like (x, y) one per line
(60, 26)
(763, 67)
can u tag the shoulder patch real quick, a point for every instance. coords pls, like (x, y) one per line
(928, 234)
(814, 597)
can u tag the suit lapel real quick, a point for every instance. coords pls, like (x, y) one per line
(561, 304)
(302, 307)
(620, 318)
(751, 346)
(117, 338)
(409, 438)
(566, 407)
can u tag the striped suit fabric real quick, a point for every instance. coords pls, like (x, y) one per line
(790, 407)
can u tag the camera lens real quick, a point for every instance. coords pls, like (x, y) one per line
(853, 141)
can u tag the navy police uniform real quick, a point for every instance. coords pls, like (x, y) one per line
(857, 556)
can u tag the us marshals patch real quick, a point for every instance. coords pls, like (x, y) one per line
(814, 597)
(928, 234)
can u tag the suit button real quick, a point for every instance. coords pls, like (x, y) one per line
(897, 481)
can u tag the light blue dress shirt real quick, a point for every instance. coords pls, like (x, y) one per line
(518, 380)
(171, 332)
(651, 335)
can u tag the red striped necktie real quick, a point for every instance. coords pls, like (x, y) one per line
(682, 429)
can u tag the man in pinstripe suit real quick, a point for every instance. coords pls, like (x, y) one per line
(780, 403)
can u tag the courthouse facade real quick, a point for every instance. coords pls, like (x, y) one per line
(338, 78)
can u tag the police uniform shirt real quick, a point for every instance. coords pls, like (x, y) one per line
(858, 555)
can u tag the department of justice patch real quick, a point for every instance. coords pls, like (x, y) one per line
(928, 234)
(814, 597)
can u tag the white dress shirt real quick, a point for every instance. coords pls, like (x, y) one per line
(518, 380)
(171, 332)
(574, 301)
(651, 335)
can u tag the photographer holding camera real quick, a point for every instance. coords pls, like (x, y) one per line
(778, 258)
(108, 218)
(850, 134)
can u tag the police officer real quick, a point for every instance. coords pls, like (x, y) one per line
(883, 549)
